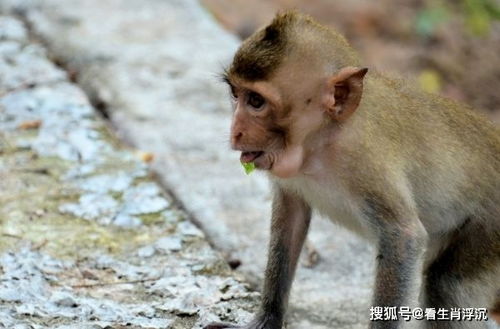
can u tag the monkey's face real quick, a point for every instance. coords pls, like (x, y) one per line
(274, 119)
(254, 130)
(268, 127)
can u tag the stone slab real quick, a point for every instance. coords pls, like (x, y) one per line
(87, 238)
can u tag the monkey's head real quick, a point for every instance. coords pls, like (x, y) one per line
(288, 80)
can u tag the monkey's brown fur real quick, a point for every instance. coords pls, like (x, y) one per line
(262, 53)
(417, 174)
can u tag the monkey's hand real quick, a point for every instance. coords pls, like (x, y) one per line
(261, 322)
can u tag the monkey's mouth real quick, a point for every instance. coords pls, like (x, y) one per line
(250, 156)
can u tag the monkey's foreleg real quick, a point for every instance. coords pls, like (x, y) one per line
(289, 226)
(399, 273)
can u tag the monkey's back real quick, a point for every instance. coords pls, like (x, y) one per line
(451, 155)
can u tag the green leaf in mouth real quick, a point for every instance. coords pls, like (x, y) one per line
(249, 167)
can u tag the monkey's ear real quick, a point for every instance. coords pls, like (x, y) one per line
(344, 91)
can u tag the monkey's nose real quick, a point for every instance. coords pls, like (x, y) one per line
(236, 138)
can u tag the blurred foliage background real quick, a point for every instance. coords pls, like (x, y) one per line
(449, 47)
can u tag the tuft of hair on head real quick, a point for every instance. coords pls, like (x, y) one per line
(261, 54)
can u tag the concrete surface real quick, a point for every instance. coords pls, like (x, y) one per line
(87, 238)
(153, 66)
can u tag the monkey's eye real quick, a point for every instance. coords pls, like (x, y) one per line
(255, 100)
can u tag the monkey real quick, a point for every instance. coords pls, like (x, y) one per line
(416, 174)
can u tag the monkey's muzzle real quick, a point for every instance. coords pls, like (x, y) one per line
(250, 156)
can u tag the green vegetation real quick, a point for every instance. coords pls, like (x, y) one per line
(249, 167)
(478, 16)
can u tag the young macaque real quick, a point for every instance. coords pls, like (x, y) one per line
(416, 174)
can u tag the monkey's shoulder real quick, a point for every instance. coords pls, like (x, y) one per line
(407, 117)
